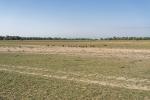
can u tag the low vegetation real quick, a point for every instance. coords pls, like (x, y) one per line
(108, 70)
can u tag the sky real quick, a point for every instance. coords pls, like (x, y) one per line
(75, 18)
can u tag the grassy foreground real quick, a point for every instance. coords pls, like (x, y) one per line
(17, 86)
(14, 85)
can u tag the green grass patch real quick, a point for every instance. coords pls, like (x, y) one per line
(109, 66)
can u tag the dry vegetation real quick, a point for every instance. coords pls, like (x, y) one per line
(103, 70)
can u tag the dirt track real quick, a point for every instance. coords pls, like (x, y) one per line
(112, 81)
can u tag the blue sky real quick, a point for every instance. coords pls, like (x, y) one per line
(75, 18)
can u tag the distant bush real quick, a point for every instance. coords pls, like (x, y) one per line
(105, 45)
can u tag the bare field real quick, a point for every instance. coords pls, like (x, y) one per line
(98, 70)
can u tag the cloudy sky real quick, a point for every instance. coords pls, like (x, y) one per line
(75, 18)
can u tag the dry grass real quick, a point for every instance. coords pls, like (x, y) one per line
(38, 70)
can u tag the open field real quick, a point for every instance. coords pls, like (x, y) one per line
(136, 44)
(98, 70)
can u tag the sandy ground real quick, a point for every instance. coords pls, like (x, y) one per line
(104, 52)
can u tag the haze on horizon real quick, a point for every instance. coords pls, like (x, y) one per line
(75, 18)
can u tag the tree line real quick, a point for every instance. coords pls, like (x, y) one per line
(126, 38)
(57, 38)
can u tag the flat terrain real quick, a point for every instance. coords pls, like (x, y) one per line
(136, 44)
(98, 70)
